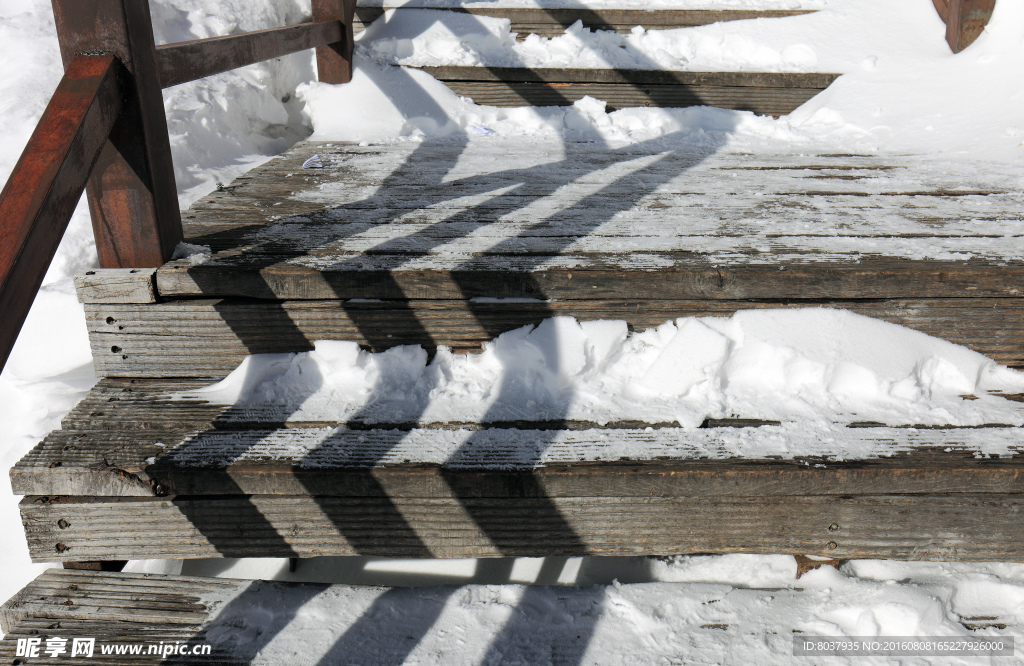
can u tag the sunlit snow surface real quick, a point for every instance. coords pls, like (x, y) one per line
(815, 365)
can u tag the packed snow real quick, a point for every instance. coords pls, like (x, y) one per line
(901, 91)
(811, 365)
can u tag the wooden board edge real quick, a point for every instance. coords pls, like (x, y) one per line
(117, 285)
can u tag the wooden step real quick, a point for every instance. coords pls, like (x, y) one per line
(121, 609)
(136, 475)
(426, 243)
(262, 622)
(764, 93)
(553, 22)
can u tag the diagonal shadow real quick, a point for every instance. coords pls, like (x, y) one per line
(433, 160)
(664, 168)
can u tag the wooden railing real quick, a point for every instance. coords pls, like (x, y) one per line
(964, 19)
(104, 132)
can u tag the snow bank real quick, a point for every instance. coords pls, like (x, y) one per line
(801, 364)
(901, 89)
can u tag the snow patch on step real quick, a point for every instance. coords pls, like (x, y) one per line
(814, 365)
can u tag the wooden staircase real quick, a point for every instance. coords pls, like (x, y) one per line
(453, 242)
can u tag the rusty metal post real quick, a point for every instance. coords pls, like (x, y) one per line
(965, 20)
(334, 61)
(132, 195)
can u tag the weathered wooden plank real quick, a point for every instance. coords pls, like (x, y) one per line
(208, 338)
(117, 285)
(137, 600)
(915, 527)
(133, 609)
(765, 101)
(376, 463)
(653, 204)
(181, 62)
(132, 194)
(129, 438)
(39, 198)
(685, 277)
(550, 22)
(758, 80)
(405, 222)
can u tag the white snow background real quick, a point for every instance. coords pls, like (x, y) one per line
(902, 92)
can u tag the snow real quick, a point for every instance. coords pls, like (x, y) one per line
(901, 92)
(901, 89)
(732, 609)
(813, 365)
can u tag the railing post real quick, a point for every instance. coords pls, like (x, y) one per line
(334, 61)
(132, 195)
(965, 20)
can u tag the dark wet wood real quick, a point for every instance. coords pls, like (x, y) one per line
(41, 195)
(132, 194)
(187, 61)
(143, 603)
(334, 59)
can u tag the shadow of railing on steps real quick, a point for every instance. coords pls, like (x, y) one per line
(431, 161)
(429, 165)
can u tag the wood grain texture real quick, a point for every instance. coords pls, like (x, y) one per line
(117, 608)
(356, 463)
(129, 438)
(181, 62)
(519, 277)
(764, 93)
(117, 285)
(456, 220)
(209, 338)
(913, 527)
(759, 80)
(43, 190)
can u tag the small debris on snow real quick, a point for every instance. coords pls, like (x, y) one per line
(193, 254)
(313, 162)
